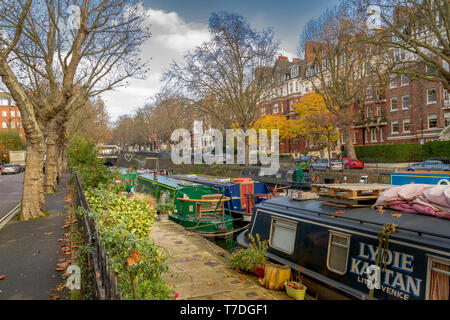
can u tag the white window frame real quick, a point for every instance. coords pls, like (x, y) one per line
(4, 113)
(432, 259)
(409, 122)
(5, 125)
(394, 98)
(403, 102)
(401, 80)
(286, 221)
(447, 116)
(277, 108)
(330, 237)
(371, 135)
(428, 101)
(392, 126)
(393, 83)
(433, 119)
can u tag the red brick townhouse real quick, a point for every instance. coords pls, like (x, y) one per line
(10, 117)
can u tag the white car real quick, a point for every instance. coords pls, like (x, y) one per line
(9, 169)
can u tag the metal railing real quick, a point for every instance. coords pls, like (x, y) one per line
(104, 281)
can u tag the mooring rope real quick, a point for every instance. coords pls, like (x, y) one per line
(383, 245)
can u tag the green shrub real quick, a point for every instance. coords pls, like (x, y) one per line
(407, 152)
(248, 259)
(124, 226)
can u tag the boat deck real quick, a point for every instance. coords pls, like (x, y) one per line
(198, 269)
(422, 224)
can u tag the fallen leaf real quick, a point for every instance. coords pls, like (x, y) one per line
(260, 280)
(228, 275)
(211, 283)
(2, 277)
(242, 278)
(380, 210)
(213, 261)
(48, 233)
(61, 269)
(396, 215)
(332, 217)
(54, 297)
(340, 212)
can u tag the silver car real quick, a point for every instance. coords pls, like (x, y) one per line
(324, 165)
(9, 169)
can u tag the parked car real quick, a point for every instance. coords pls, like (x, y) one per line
(307, 159)
(431, 165)
(353, 164)
(324, 165)
(19, 167)
(9, 169)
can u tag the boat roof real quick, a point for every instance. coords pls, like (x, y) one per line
(425, 224)
(169, 181)
(204, 178)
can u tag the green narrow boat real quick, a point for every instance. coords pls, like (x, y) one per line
(198, 207)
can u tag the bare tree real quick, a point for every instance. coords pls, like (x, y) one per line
(417, 32)
(53, 67)
(223, 77)
(341, 67)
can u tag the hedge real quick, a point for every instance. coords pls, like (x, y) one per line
(407, 152)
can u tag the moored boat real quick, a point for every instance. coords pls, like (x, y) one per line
(244, 193)
(337, 249)
(197, 207)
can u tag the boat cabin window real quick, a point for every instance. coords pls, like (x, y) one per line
(438, 279)
(282, 235)
(338, 249)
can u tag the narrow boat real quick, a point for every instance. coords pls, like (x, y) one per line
(197, 207)
(296, 178)
(336, 249)
(244, 193)
(427, 177)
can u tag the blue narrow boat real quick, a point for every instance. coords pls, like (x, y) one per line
(244, 193)
(336, 249)
(401, 178)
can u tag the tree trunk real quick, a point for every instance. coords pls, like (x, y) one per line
(349, 148)
(33, 193)
(51, 162)
(329, 152)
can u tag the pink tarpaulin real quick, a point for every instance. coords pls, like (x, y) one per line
(426, 199)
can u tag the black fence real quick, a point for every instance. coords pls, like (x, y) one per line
(100, 277)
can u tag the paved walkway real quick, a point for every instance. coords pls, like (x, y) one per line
(30, 252)
(198, 269)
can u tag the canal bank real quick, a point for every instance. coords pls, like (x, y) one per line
(200, 270)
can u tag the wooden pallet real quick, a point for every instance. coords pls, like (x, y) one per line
(351, 194)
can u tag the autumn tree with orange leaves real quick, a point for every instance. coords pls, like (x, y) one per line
(316, 121)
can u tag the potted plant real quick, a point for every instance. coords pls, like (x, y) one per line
(164, 210)
(252, 259)
(296, 289)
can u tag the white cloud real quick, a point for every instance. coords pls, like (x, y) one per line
(171, 38)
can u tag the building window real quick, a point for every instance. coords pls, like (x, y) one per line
(338, 249)
(18, 114)
(369, 91)
(393, 81)
(13, 125)
(432, 121)
(438, 283)
(447, 119)
(4, 102)
(381, 134)
(404, 80)
(431, 68)
(282, 235)
(394, 127)
(431, 96)
(13, 113)
(4, 114)
(373, 134)
(406, 126)
(369, 112)
(296, 86)
(263, 110)
(394, 106)
(378, 110)
(291, 87)
(446, 99)
(5, 125)
(291, 105)
(275, 108)
(405, 102)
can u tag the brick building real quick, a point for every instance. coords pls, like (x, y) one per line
(10, 117)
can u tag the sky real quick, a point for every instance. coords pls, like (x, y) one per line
(179, 25)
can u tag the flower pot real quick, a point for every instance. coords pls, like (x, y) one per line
(297, 294)
(259, 271)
